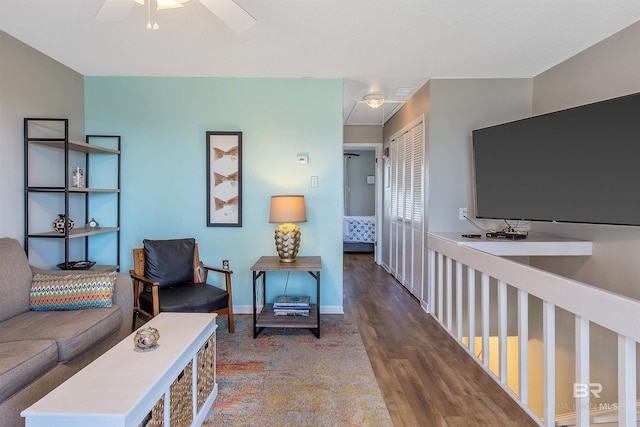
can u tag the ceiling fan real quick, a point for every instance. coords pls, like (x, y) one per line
(228, 11)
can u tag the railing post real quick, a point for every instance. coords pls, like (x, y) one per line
(440, 284)
(502, 330)
(523, 346)
(582, 370)
(459, 297)
(449, 293)
(471, 309)
(484, 283)
(439, 280)
(626, 382)
(549, 350)
(431, 259)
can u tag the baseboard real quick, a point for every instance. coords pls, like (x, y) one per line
(324, 309)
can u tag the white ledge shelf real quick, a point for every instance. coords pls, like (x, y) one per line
(536, 244)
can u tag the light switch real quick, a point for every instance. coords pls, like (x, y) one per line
(314, 182)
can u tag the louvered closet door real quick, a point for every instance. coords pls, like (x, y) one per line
(393, 232)
(407, 195)
(416, 217)
(407, 199)
(397, 208)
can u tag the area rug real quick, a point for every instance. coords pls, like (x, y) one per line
(288, 377)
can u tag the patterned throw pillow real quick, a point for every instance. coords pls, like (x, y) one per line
(71, 291)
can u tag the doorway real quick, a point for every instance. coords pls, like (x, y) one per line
(362, 192)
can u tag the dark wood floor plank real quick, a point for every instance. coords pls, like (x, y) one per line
(425, 377)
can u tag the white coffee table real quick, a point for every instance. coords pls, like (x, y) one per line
(173, 384)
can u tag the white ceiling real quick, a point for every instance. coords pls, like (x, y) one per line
(376, 46)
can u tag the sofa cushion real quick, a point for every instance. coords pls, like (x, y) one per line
(169, 262)
(21, 362)
(15, 279)
(71, 291)
(74, 331)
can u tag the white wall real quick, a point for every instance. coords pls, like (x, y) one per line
(458, 106)
(31, 85)
(362, 134)
(608, 69)
(453, 108)
(360, 196)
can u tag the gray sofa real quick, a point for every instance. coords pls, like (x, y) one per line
(41, 349)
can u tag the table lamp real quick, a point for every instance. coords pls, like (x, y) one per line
(285, 210)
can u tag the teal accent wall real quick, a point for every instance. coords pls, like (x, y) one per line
(163, 122)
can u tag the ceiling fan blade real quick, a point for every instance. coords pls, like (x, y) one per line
(231, 14)
(114, 10)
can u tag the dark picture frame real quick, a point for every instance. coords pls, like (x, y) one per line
(224, 179)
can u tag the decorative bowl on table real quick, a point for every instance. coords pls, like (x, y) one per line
(146, 338)
(76, 265)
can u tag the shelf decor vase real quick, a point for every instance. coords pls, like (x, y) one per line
(58, 224)
(146, 339)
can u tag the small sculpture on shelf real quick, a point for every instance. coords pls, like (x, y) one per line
(146, 338)
(92, 225)
(59, 223)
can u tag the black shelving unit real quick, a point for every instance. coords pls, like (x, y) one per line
(54, 134)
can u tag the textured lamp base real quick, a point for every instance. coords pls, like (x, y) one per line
(287, 242)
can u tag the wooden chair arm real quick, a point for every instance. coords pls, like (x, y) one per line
(143, 279)
(216, 269)
(138, 282)
(227, 273)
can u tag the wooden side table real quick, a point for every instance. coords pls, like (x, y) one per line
(266, 318)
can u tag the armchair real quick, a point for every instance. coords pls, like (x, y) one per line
(169, 276)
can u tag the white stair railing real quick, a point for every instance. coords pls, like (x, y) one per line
(448, 261)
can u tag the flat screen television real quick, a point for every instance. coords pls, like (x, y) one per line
(577, 165)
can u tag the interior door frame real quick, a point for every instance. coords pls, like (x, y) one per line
(377, 148)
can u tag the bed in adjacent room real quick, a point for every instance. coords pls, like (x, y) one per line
(358, 233)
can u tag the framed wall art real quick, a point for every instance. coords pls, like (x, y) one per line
(224, 179)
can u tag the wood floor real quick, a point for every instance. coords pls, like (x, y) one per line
(426, 379)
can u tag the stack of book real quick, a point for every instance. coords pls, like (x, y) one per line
(291, 305)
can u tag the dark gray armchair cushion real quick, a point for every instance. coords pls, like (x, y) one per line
(169, 262)
(187, 298)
